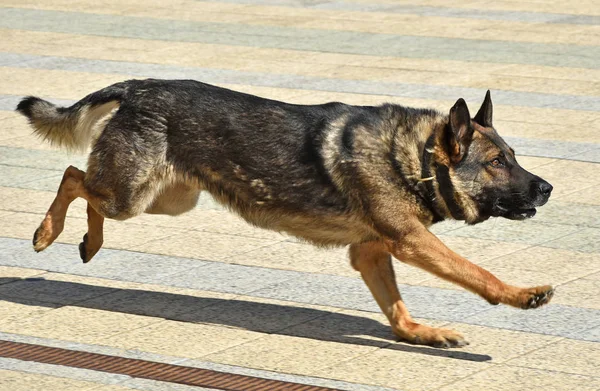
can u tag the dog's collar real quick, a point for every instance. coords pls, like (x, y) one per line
(445, 186)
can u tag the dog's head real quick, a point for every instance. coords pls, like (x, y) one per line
(483, 169)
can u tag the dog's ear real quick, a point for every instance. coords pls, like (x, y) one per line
(461, 131)
(484, 115)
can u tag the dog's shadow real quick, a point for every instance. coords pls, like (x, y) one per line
(255, 316)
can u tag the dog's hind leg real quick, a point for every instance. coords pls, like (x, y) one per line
(54, 221)
(93, 239)
(74, 185)
(374, 263)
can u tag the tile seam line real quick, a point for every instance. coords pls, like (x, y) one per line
(554, 371)
(559, 339)
(490, 367)
(27, 166)
(300, 27)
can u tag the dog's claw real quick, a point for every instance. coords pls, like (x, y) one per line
(540, 299)
(35, 239)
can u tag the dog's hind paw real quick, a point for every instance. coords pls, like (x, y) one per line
(83, 253)
(89, 247)
(42, 238)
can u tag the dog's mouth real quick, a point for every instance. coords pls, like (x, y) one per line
(512, 213)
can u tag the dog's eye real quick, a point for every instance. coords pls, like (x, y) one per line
(497, 162)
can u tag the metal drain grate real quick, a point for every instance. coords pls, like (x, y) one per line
(147, 369)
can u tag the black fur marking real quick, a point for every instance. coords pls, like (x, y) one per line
(446, 189)
(25, 106)
(429, 197)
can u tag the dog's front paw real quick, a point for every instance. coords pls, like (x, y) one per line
(537, 297)
(419, 334)
(45, 234)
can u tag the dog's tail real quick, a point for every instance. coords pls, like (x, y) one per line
(75, 127)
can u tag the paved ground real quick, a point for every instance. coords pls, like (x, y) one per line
(207, 290)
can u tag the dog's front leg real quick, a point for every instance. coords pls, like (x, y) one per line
(374, 263)
(421, 248)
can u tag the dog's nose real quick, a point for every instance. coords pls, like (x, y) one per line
(545, 189)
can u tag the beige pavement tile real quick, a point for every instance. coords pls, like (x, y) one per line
(9, 273)
(567, 355)
(568, 176)
(289, 354)
(532, 162)
(35, 201)
(14, 126)
(405, 367)
(594, 276)
(503, 377)
(23, 381)
(586, 240)
(589, 196)
(181, 339)
(26, 142)
(559, 131)
(4, 213)
(77, 324)
(582, 293)
(294, 256)
(257, 314)
(541, 265)
(499, 344)
(479, 250)
(550, 72)
(8, 114)
(130, 236)
(16, 310)
(531, 232)
(204, 245)
(546, 116)
(20, 225)
(73, 85)
(534, 84)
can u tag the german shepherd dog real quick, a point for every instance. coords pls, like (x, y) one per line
(373, 178)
